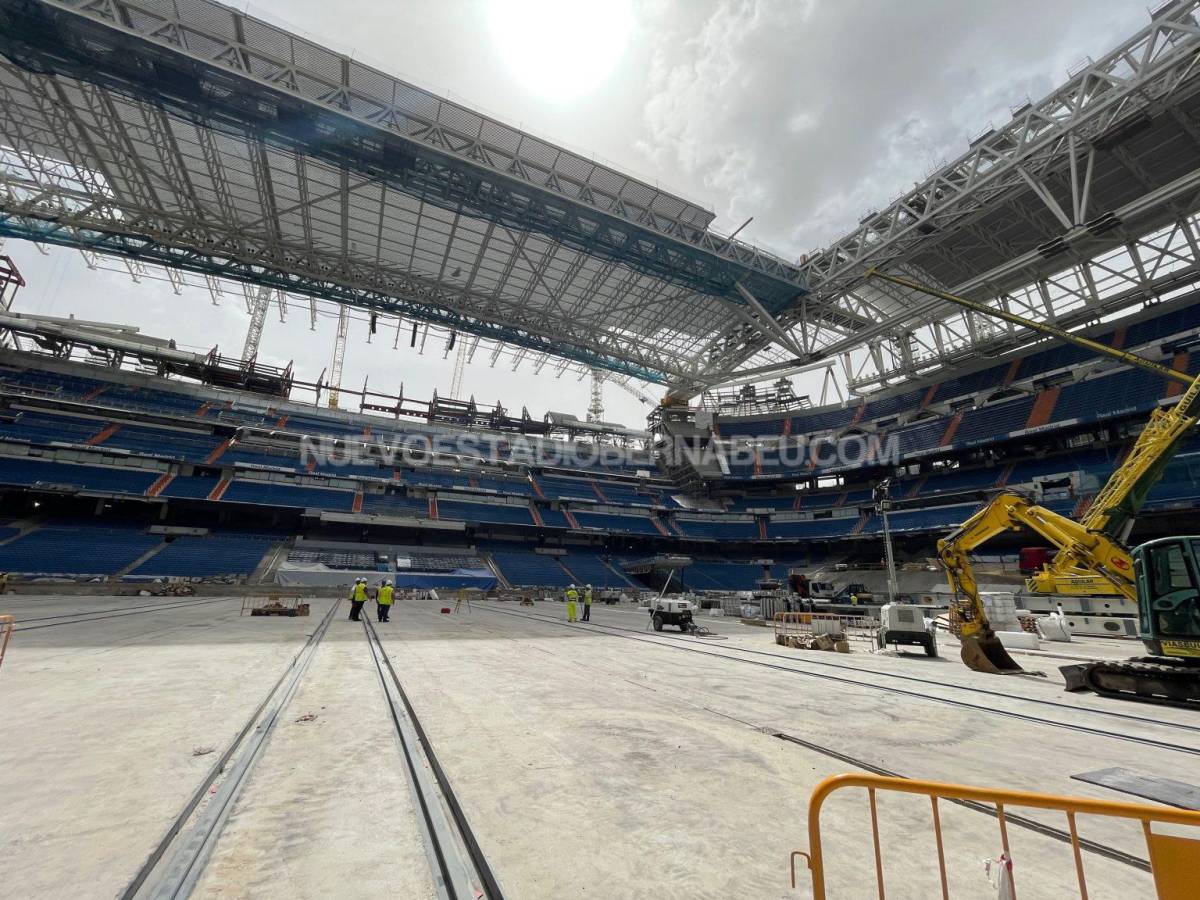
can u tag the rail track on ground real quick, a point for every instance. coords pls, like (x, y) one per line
(96, 615)
(1011, 818)
(459, 869)
(458, 862)
(176, 863)
(797, 667)
(1025, 822)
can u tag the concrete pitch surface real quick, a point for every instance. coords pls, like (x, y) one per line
(592, 761)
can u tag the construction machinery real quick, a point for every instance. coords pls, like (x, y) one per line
(903, 624)
(1160, 576)
(671, 611)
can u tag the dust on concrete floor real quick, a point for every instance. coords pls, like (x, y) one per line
(589, 764)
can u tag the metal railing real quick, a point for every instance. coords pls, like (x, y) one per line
(1173, 857)
(797, 629)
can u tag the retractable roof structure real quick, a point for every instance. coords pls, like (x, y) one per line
(186, 133)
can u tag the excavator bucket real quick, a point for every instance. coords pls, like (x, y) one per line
(987, 654)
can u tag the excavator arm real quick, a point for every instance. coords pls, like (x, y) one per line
(1095, 552)
(1113, 510)
(1111, 514)
(1091, 550)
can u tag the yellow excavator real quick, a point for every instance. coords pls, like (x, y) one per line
(1162, 577)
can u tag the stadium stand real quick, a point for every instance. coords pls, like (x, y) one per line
(206, 557)
(716, 529)
(275, 494)
(589, 568)
(939, 518)
(173, 443)
(30, 472)
(526, 569)
(568, 489)
(634, 524)
(76, 549)
(484, 512)
(194, 487)
(812, 528)
(391, 504)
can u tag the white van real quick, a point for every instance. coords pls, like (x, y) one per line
(821, 590)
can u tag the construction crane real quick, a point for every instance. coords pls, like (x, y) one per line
(257, 305)
(339, 356)
(595, 410)
(1092, 550)
(622, 381)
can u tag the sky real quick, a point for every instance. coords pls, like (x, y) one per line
(805, 114)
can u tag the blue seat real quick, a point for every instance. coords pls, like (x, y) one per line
(813, 529)
(76, 550)
(732, 530)
(275, 494)
(191, 556)
(988, 423)
(484, 512)
(529, 569)
(589, 568)
(611, 522)
(24, 471)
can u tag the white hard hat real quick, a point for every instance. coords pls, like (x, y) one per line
(572, 584)
(589, 585)
(388, 582)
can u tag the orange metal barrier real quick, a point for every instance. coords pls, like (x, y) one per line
(6, 630)
(1174, 860)
(796, 629)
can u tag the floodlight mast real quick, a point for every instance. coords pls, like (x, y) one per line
(883, 504)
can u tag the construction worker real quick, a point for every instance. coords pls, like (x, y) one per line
(853, 599)
(384, 600)
(587, 603)
(572, 599)
(358, 596)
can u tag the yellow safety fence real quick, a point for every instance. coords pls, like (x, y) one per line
(6, 630)
(1174, 859)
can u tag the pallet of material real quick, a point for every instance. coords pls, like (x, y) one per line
(279, 609)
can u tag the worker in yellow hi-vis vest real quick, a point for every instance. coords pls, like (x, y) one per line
(358, 596)
(384, 601)
(572, 601)
(587, 603)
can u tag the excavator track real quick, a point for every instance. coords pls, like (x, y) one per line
(1150, 679)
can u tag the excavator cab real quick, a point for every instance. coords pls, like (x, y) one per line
(1168, 589)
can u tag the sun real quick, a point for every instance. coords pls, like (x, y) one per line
(561, 49)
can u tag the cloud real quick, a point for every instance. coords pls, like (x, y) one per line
(807, 115)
